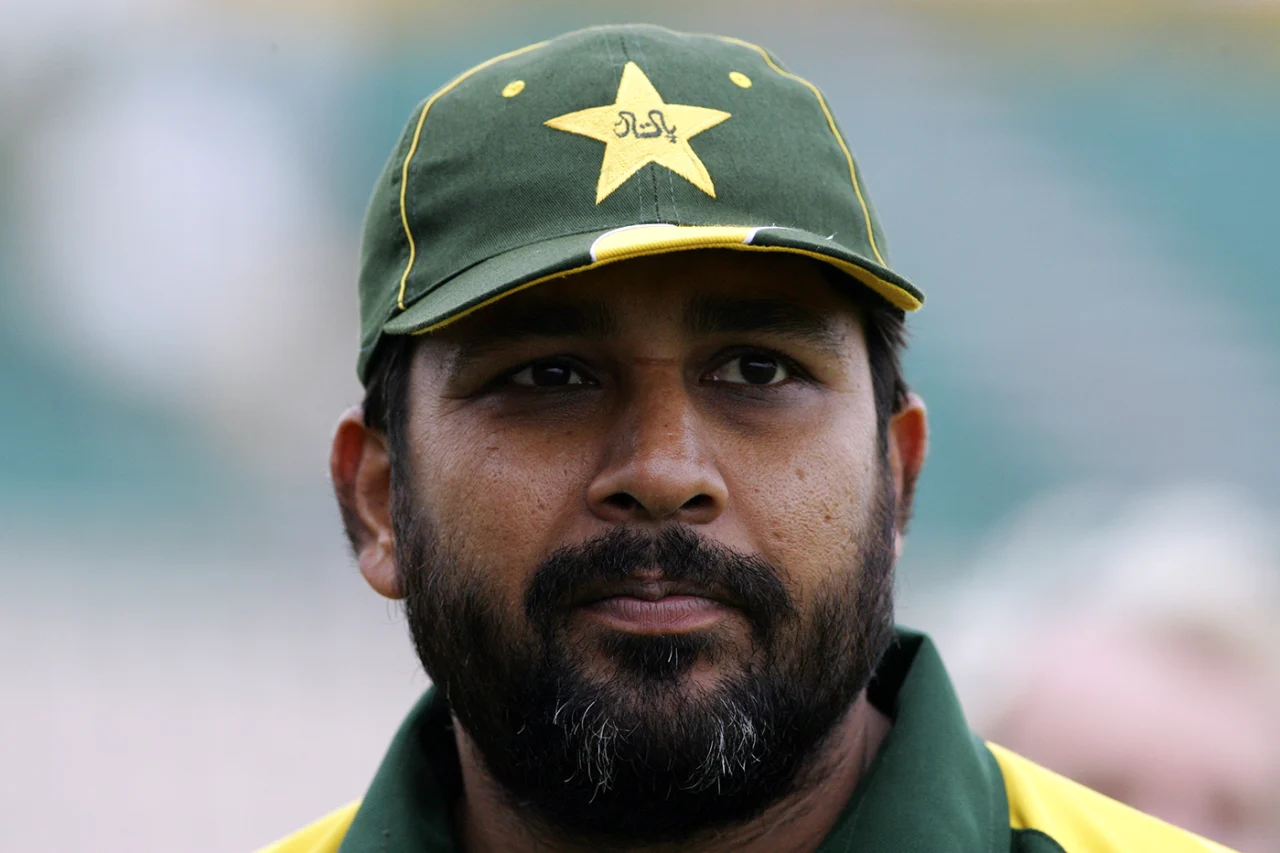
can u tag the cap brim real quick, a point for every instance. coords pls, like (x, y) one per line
(527, 266)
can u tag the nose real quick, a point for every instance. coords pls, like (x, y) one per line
(659, 467)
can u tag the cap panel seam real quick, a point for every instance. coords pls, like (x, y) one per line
(413, 149)
(835, 131)
(671, 185)
(617, 68)
(653, 178)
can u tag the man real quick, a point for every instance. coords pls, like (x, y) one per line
(637, 455)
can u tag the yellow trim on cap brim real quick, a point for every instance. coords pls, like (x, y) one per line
(638, 241)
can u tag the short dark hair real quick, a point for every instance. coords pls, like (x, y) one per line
(884, 326)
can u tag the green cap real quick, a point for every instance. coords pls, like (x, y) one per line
(602, 145)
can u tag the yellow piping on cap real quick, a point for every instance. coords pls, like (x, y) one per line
(413, 149)
(831, 123)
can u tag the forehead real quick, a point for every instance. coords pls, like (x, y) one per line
(704, 292)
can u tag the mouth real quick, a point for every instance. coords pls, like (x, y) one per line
(653, 607)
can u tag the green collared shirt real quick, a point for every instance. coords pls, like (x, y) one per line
(932, 787)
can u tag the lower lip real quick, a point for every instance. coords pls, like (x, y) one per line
(674, 613)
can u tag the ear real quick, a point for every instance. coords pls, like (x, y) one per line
(360, 468)
(908, 444)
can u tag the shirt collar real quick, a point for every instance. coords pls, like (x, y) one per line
(932, 786)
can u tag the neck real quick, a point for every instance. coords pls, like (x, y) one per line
(488, 822)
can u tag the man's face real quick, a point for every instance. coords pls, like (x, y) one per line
(644, 524)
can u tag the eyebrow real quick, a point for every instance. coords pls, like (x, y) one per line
(720, 315)
(704, 316)
(540, 318)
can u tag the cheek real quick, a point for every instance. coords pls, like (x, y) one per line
(805, 499)
(500, 496)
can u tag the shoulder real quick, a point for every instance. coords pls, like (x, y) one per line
(323, 836)
(1080, 820)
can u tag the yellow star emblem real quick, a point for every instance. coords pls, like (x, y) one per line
(639, 128)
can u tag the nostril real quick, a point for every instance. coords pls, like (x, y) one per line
(698, 502)
(622, 501)
(629, 505)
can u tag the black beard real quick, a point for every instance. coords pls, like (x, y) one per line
(642, 756)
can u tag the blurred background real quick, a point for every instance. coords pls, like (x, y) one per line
(1086, 190)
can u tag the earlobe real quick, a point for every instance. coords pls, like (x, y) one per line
(908, 445)
(360, 468)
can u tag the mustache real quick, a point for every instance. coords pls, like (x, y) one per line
(749, 582)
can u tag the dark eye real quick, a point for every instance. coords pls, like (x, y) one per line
(548, 374)
(754, 369)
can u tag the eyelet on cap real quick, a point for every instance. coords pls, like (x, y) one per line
(740, 79)
(513, 88)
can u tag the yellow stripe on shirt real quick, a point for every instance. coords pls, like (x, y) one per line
(323, 836)
(1082, 820)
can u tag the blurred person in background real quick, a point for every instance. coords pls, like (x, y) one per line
(637, 454)
(1142, 659)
